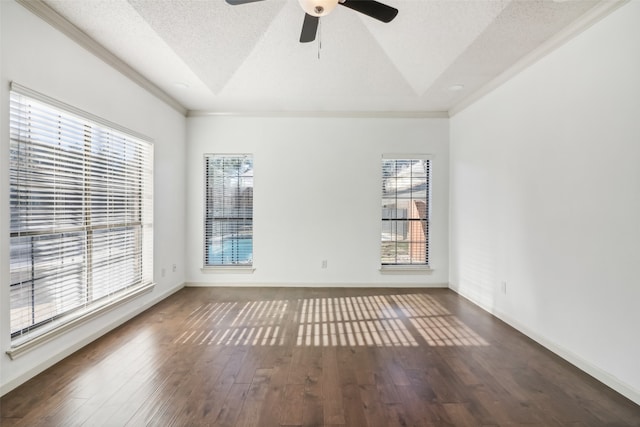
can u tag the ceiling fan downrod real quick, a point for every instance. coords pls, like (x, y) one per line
(314, 9)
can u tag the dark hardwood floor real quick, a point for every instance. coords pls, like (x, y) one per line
(317, 357)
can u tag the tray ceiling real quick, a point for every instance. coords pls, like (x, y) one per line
(213, 57)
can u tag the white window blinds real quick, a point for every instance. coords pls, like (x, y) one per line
(81, 203)
(228, 210)
(406, 187)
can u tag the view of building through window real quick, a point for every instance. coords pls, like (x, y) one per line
(405, 211)
(229, 210)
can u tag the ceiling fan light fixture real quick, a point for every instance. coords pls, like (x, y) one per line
(318, 7)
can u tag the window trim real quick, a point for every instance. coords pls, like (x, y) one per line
(64, 322)
(53, 331)
(222, 268)
(425, 268)
(242, 269)
(22, 90)
(405, 269)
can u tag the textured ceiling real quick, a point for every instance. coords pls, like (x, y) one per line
(210, 56)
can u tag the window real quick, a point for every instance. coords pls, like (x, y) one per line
(81, 215)
(406, 190)
(228, 210)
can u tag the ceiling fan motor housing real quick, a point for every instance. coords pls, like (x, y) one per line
(318, 7)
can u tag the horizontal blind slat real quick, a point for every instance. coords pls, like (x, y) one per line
(405, 210)
(228, 209)
(81, 213)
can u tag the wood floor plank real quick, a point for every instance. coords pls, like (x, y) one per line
(313, 402)
(292, 407)
(460, 415)
(394, 368)
(232, 406)
(333, 410)
(315, 357)
(417, 411)
(372, 406)
(353, 407)
(59, 415)
(271, 408)
(156, 402)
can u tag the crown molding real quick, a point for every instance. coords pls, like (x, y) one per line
(325, 114)
(53, 18)
(49, 15)
(584, 22)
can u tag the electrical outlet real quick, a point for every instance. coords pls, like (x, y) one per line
(324, 263)
(174, 268)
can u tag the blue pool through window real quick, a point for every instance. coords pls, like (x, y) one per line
(236, 250)
(228, 222)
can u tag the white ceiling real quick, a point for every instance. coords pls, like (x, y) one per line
(210, 56)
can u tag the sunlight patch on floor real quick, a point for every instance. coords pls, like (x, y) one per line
(375, 320)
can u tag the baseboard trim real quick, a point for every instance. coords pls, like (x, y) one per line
(315, 285)
(12, 384)
(604, 377)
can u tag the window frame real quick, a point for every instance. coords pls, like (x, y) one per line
(136, 219)
(238, 267)
(404, 268)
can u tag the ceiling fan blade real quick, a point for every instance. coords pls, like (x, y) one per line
(372, 8)
(237, 2)
(309, 28)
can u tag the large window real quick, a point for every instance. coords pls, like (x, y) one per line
(405, 210)
(228, 210)
(81, 214)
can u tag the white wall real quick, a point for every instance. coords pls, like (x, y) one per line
(317, 196)
(39, 57)
(545, 196)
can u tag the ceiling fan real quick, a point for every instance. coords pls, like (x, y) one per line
(314, 9)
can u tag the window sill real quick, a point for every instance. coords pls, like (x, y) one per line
(405, 269)
(233, 269)
(20, 348)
